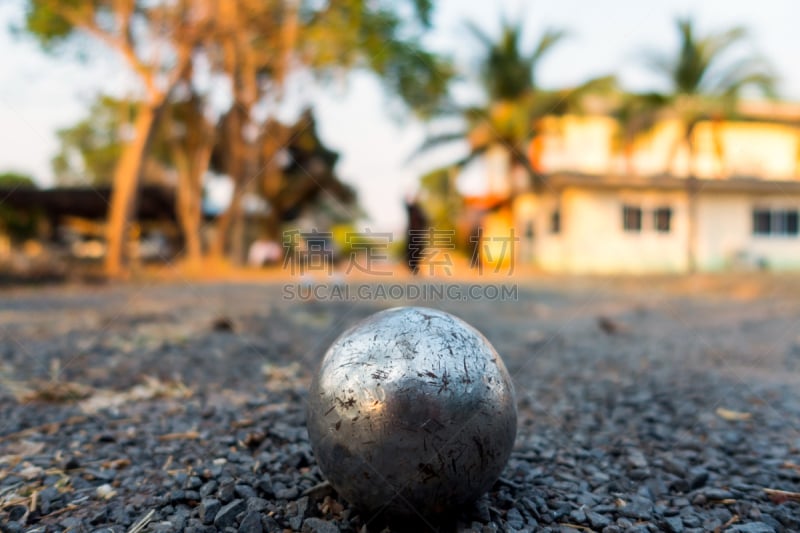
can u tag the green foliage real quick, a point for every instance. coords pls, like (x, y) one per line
(700, 75)
(440, 198)
(17, 223)
(514, 104)
(15, 180)
(376, 36)
(418, 77)
(703, 79)
(45, 21)
(91, 148)
(507, 73)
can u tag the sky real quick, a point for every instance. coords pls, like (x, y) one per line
(41, 93)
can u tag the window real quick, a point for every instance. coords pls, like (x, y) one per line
(775, 222)
(631, 218)
(662, 219)
(555, 221)
(761, 222)
(791, 223)
(529, 232)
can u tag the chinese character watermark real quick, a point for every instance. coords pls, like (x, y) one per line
(368, 246)
(429, 248)
(368, 252)
(497, 250)
(308, 251)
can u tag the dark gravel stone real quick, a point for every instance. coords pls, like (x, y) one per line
(72, 522)
(752, 527)
(16, 512)
(191, 496)
(679, 486)
(597, 520)
(578, 516)
(226, 516)
(287, 494)
(271, 525)
(673, 524)
(699, 478)
(317, 525)
(12, 527)
(251, 523)
(691, 520)
(616, 433)
(514, 519)
(245, 491)
(208, 488)
(98, 517)
(637, 510)
(257, 504)
(681, 502)
(227, 491)
(208, 510)
(299, 513)
(265, 486)
(716, 494)
(177, 496)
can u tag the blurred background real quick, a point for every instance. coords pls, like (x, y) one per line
(216, 136)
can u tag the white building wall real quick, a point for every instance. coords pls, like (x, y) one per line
(579, 144)
(768, 151)
(726, 239)
(592, 238)
(590, 144)
(723, 229)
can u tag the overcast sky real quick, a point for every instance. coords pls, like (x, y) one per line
(39, 93)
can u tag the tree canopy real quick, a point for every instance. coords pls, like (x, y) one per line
(90, 149)
(255, 46)
(17, 223)
(14, 179)
(514, 103)
(704, 79)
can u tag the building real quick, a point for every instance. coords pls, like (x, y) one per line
(608, 210)
(591, 224)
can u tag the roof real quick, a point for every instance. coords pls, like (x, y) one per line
(770, 110)
(153, 203)
(486, 202)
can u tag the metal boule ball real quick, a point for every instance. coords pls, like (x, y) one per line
(412, 412)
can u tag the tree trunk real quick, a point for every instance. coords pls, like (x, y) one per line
(126, 181)
(231, 145)
(691, 223)
(220, 244)
(719, 145)
(190, 202)
(691, 198)
(272, 226)
(190, 224)
(535, 149)
(672, 155)
(630, 167)
(237, 234)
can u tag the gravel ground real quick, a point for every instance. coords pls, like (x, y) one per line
(175, 407)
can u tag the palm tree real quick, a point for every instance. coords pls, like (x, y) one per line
(515, 105)
(635, 114)
(703, 85)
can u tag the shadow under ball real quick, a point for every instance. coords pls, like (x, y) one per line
(412, 412)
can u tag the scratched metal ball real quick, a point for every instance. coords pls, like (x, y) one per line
(412, 412)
